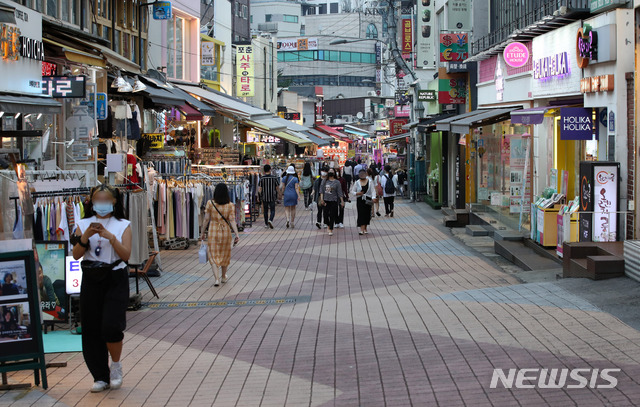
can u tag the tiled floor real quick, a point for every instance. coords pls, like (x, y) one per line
(404, 316)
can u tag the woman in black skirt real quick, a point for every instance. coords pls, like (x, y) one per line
(366, 193)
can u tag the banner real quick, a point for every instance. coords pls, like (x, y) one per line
(425, 45)
(395, 127)
(454, 47)
(577, 123)
(297, 44)
(207, 51)
(407, 36)
(459, 12)
(244, 71)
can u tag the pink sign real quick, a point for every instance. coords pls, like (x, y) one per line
(403, 110)
(516, 54)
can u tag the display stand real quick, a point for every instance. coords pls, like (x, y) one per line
(22, 348)
(547, 229)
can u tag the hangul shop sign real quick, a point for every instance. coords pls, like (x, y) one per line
(602, 83)
(407, 36)
(64, 86)
(244, 66)
(586, 46)
(156, 139)
(297, 44)
(602, 5)
(255, 137)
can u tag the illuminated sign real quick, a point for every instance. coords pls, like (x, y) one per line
(554, 65)
(407, 36)
(292, 116)
(9, 42)
(64, 86)
(244, 67)
(586, 46)
(255, 137)
(32, 49)
(162, 10)
(516, 55)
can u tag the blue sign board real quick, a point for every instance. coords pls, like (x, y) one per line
(162, 10)
(577, 123)
(101, 106)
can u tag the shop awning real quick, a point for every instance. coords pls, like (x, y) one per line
(306, 140)
(320, 135)
(315, 139)
(232, 106)
(484, 117)
(335, 133)
(394, 139)
(289, 137)
(190, 113)
(410, 126)
(430, 124)
(75, 55)
(268, 125)
(531, 116)
(445, 123)
(202, 107)
(28, 104)
(110, 56)
(161, 96)
(357, 131)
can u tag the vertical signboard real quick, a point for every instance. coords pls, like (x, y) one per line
(605, 202)
(206, 51)
(244, 70)
(586, 201)
(407, 36)
(452, 91)
(425, 44)
(459, 15)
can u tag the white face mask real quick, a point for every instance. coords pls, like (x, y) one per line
(323, 173)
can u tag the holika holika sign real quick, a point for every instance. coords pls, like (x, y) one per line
(577, 123)
(550, 66)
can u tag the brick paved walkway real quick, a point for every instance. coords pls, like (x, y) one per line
(404, 316)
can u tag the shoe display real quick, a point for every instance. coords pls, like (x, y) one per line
(99, 386)
(116, 375)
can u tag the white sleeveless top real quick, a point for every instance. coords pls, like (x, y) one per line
(107, 254)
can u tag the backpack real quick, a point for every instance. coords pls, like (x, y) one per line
(389, 186)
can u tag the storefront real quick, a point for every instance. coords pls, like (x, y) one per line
(27, 113)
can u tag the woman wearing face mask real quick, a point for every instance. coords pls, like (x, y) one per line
(103, 238)
(331, 196)
(365, 193)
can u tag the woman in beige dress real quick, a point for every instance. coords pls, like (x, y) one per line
(221, 218)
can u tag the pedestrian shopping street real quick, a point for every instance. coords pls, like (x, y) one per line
(406, 315)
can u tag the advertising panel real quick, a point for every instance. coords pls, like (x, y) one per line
(425, 33)
(297, 44)
(577, 123)
(454, 47)
(459, 15)
(244, 70)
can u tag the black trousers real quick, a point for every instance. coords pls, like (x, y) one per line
(269, 209)
(331, 213)
(389, 204)
(349, 179)
(340, 219)
(307, 197)
(321, 211)
(103, 308)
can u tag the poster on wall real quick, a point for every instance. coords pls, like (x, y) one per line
(459, 15)
(519, 180)
(207, 53)
(51, 280)
(244, 67)
(425, 33)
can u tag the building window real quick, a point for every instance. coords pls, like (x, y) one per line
(333, 8)
(372, 31)
(245, 11)
(52, 8)
(289, 18)
(175, 48)
(267, 18)
(251, 19)
(323, 9)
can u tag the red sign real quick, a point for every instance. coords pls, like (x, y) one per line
(395, 126)
(407, 36)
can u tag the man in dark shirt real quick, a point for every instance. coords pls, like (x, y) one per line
(268, 191)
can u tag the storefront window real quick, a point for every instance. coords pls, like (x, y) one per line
(175, 48)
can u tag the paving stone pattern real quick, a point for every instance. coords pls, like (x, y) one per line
(406, 315)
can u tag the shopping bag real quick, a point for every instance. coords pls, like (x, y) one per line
(202, 254)
(348, 206)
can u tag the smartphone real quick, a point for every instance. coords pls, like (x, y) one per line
(96, 225)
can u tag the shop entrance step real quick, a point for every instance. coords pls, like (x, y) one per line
(510, 235)
(594, 260)
(478, 230)
(455, 218)
(523, 256)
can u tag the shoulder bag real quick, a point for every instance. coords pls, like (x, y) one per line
(219, 213)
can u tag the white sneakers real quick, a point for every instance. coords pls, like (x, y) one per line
(340, 226)
(99, 386)
(116, 375)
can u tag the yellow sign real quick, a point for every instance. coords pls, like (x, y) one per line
(157, 140)
(244, 69)
(9, 42)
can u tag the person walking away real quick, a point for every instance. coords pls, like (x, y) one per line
(365, 194)
(401, 179)
(389, 184)
(375, 176)
(316, 195)
(290, 189)
(268, 191)
(331, 196)
(306, 184)
(103, 239)
(220, 216)
(347, 174)
(359, 167)
(345, 196)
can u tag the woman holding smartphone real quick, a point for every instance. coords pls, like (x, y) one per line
(220, 215)
(103, 238)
